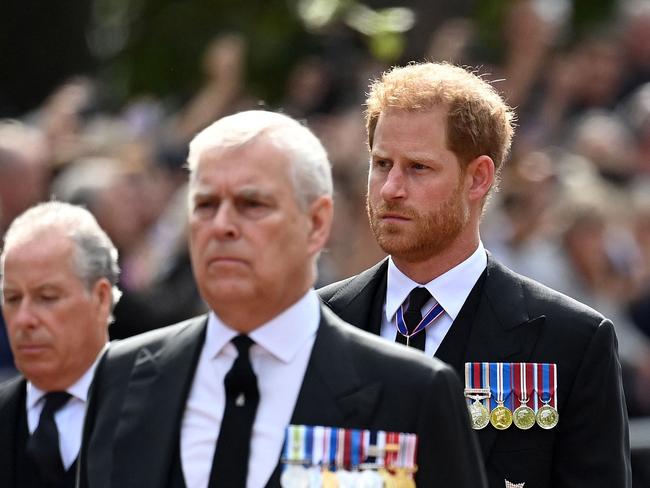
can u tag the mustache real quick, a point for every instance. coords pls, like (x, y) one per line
(392, 207)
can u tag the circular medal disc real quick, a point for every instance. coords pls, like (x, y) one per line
(329, 479)
(479, 415)
(501, 418)
(370, 479)
(345, 478)
(315, 477)
(294, 477)
(524, 417)
(547, 417)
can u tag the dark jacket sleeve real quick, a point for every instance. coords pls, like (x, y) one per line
(593, 445)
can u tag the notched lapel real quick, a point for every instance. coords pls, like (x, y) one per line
(332, 393)
(153, 406)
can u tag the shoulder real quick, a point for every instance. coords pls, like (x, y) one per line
(11, 390)
(350, 287)
(152, 340)
(538, 298)
(376, 356)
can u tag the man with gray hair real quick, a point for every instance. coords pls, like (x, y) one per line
(206, 403)
(59, 273)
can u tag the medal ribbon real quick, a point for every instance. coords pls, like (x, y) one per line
(547, 384)
(433, 313)
(390, 457)
(355, 454)
(501, 384)
(318, 449)
(523, 383)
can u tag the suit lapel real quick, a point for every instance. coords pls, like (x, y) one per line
(156, 396)
(361, 301)
(503, 330)
(332, 392)
(12, 399)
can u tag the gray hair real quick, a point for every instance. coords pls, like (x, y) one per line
(95, 256)
(311, 171)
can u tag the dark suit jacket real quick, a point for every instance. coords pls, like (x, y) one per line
(15, 470)
(353, 380)
(514, 319)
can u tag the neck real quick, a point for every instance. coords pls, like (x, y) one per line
(247, 316)
(424, 270)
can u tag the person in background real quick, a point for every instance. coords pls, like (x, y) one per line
(59, 271)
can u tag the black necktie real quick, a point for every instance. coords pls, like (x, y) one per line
(412, 317)
(43, 444)
(230, 463)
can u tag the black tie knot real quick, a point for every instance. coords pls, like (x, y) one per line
(54, 400)
(243, 343)
(417, 298)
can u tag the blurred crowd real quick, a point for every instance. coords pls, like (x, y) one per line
(573, 209)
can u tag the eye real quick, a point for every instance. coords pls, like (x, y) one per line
(205, 208)
(419, 166)
(10, 299)
(252, 207)
(381, 164)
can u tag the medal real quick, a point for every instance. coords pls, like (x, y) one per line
(329, 479)
(370, 479)
(500, 416)
(523, 416)
(477, 388)
(315, 477)
(547, 415)
(294, 476)
(404, 478)
(478, 414)
(388, 479)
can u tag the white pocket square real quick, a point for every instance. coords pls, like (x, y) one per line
(510, 484)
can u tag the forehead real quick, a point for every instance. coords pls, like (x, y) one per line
(258, 163)
(422, 130)
(38, 258)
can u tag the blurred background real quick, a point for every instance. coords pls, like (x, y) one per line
(98, 99)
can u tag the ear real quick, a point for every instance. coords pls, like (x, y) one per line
(103, 296)
(479, 178)
(321, 212)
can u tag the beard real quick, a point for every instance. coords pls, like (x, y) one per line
(425, 235)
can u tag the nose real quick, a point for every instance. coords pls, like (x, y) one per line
(393, 186)
(20, 315)
(225, 223)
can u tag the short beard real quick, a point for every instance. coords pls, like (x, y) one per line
(434, 232)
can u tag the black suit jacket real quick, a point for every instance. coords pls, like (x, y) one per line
(12, 400)
(15, 470)
(514, 319)
(353, 380)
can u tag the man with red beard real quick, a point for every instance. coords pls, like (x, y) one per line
(438, 136)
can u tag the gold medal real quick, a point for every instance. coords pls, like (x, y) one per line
(403, 478)
(330, 480)
(547, 417)
(501, 417)
(389, 479)
(524, 417)
(479, 415)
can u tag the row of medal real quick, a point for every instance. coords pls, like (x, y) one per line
(501, 394)
(331, 457)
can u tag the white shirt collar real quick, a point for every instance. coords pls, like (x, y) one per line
(282, 336)
(450, 289)
(79, 389)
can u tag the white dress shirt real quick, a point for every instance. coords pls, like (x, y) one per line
(69, 418)
(450, 289)
(279, 358)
